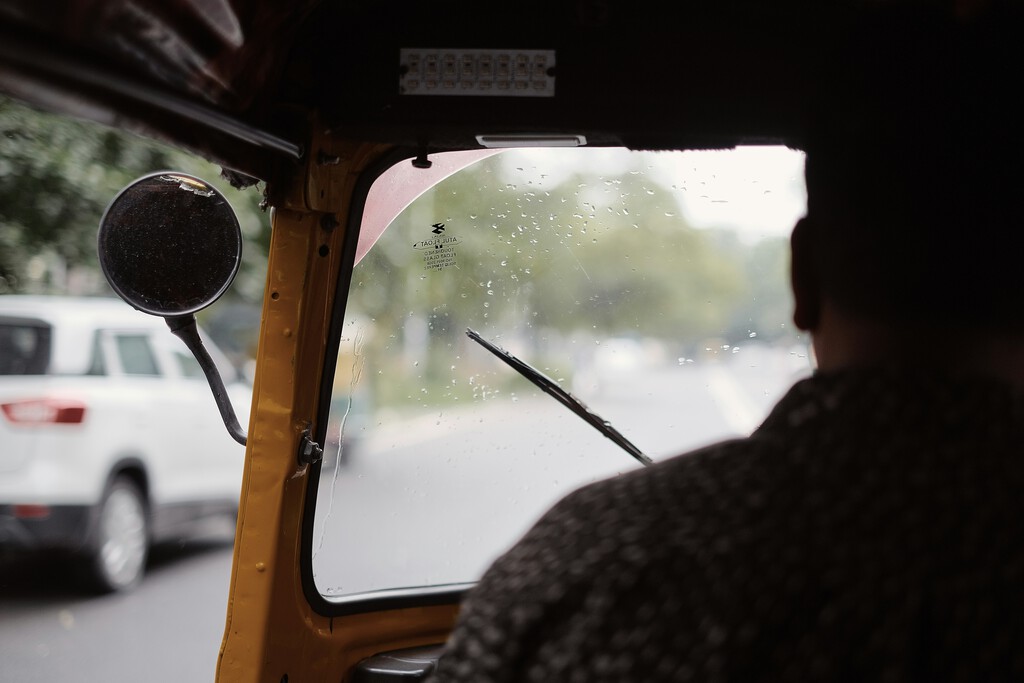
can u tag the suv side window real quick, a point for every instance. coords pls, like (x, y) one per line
(98, 364)
(24, 347)
(188, 365)
(136, 355)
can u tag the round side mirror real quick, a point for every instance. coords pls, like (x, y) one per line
(169, 244)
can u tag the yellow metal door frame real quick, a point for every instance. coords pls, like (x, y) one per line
(272, 634)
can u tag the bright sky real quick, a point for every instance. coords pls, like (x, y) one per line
(757, 190)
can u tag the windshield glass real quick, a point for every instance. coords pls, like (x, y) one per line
(652, 286)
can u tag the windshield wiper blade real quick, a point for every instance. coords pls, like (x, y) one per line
(550, 387)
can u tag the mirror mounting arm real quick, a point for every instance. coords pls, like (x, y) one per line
(156, 230)
(184, 328)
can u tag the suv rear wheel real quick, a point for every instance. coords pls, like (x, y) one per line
(118, 557)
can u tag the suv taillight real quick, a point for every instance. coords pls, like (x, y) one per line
(44, 411)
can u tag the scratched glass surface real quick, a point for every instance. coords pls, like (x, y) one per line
(651, 286)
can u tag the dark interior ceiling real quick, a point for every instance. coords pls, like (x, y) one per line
(663, 75)
(236, 80)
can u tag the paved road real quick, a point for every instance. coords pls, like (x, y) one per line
(169, 629)
(433, 499)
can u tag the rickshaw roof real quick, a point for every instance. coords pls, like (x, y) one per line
(239, 80)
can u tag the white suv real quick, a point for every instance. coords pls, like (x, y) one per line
(110, 438)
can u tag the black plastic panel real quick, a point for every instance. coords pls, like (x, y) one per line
(414, 664)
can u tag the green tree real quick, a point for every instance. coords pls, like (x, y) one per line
(764, 311)
(57, 176)
(606, 255)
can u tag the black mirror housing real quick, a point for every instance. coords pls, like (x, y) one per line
(170, 245)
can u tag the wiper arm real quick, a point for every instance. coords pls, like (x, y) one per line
(548, 386)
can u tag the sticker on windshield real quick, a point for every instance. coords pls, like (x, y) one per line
(439, 250)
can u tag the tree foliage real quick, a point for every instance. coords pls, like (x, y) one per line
(591, 256)
(606, 253)
(57, 176)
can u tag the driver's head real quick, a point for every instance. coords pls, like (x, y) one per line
(914, 178)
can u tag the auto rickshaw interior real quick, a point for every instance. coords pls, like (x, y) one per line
(416, 158)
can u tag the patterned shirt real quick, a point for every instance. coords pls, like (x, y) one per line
(871, 529)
